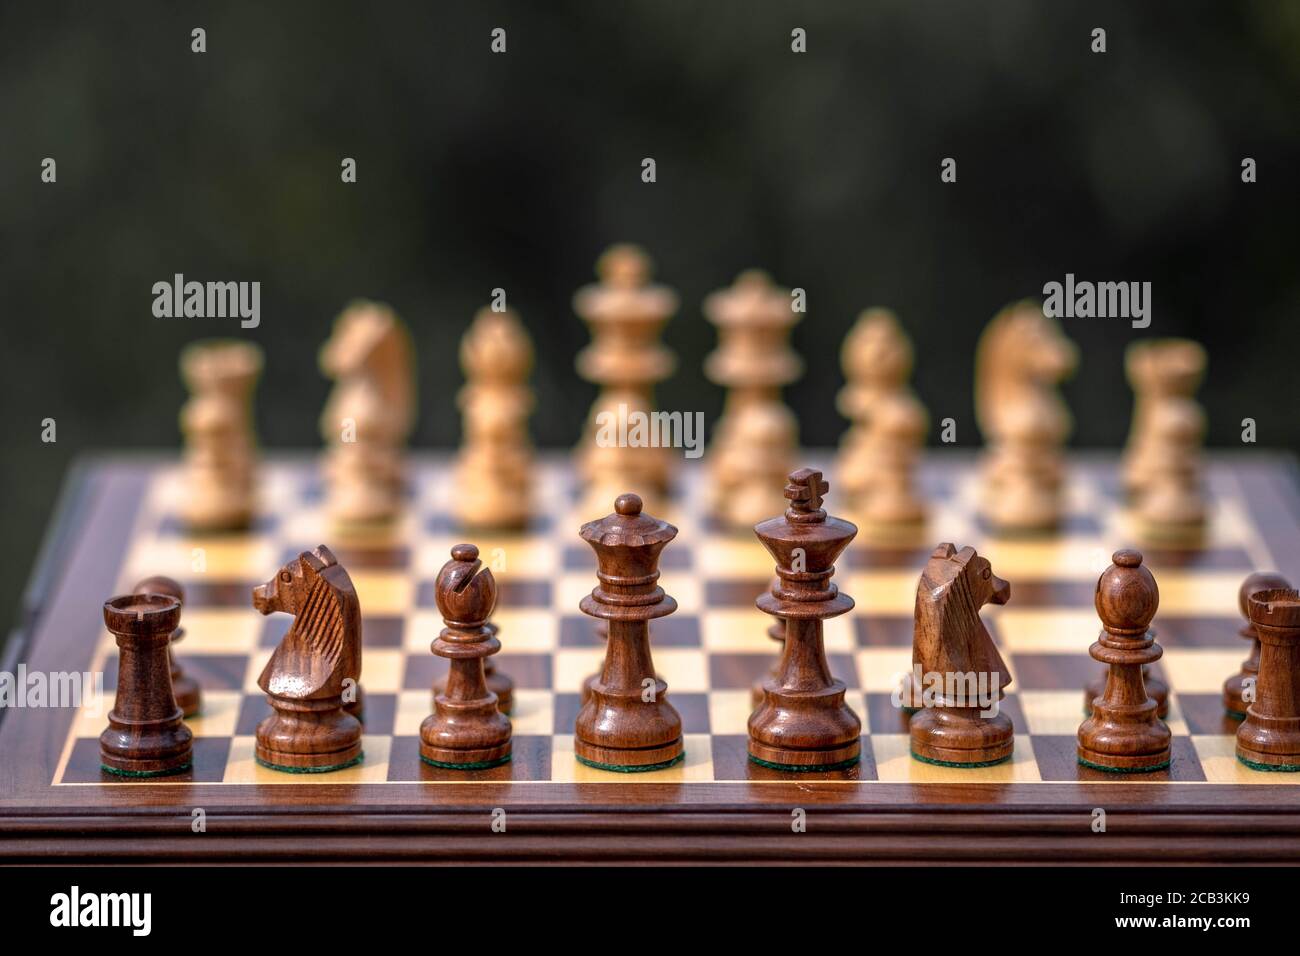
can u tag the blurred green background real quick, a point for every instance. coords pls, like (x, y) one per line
(479, 170)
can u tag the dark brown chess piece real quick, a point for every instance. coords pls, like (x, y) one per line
(185, 688)
(803, 722)
(501, 684)
(626, 723)
(467, 730)
(315, 664)
(1269, 737)
(1235, 699)
(1124, 733)
(958, 723)
(1156, 688)
(146, 735)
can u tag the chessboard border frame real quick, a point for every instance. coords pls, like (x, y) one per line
(587, 823)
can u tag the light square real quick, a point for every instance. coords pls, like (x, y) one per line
(384, 593)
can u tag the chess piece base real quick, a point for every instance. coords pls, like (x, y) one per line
(628, 761)
(1269, 743)
(1111, 763)
(1133, 746)
(160, 750)
(959, 737)
(805, 761)
(308, 737)
(480, 759)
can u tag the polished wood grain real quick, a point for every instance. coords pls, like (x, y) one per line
(315, 664)
(949, 639)
(1124, 731)
(627, 722)
(467, 730)
(1234, 701)
(803, 722)
(1269, 737)
(146, 735)
(189, 696)
(330, 821)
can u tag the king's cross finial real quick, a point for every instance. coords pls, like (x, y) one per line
(805, 490)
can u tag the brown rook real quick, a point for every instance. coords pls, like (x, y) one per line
(1269, 737)
(1235, 696)
(626, 723)
(146, 735)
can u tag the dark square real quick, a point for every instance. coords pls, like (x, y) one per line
(733, 592)
(881, 558)
(578, 630)
(1221, 632)
(1053, 593)
(1058, 760)
(879, 631)
(253, 709)
(529, 671)
(737, 670)
(274, 629)
(1054, 671)
(566, 707)
(379, 711)
(883, 717)
(208, 766)
(579, 557)
(1204, 714)
(530, 760)
(731, 762)
(1207, 559)
(382, 631)
(212, 671)
(209, 593)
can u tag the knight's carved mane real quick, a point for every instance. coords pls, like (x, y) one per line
(311, 658)
(951, 637)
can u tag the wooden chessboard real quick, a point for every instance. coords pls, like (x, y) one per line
(118, 523)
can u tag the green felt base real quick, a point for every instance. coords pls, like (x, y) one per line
(477, 765)
(332, 767)
(960, 766)
(909, 710)
(804, 768)
(1268, 767)
(1097, 766)
(143, 773)
(1235, 714)
(642, 769)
